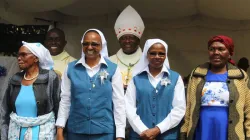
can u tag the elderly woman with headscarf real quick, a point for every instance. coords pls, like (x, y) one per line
(92, 98)
(218, 98)
(155, 98)
(31, 100)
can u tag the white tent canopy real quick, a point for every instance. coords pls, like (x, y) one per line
(186, 25)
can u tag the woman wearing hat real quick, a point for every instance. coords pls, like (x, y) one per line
(155, 98)
(218, 98)
(31, 101)
(92, 98)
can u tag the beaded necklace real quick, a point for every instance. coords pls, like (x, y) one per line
(29, 79)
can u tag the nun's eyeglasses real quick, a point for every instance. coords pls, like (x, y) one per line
(93, 44)
(154, 54)
(23, 54)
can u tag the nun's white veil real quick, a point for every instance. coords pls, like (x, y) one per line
(143, 62)
(104, 51)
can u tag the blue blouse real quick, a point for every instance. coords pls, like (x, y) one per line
(26, 107)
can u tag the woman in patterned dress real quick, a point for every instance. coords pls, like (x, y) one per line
(218, 98)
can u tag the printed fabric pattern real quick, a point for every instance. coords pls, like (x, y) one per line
(215, 94)
(46, 123)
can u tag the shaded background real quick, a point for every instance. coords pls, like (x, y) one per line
(186, 25)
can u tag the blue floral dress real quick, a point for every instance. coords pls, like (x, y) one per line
(213, 122)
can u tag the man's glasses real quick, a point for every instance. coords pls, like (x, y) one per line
(154, 54)
(93, 44)
(23, 54)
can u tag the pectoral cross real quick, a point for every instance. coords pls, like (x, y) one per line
(129, 69)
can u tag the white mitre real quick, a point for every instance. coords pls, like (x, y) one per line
(129, 22)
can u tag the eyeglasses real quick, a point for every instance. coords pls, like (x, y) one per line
(23, 54)
(154, 54)
(219, 49)
(93, 44)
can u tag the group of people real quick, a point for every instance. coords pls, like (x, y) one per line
(93, 96)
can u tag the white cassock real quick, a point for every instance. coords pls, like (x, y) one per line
(61, 61)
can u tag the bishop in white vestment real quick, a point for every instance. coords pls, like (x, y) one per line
(129, 28)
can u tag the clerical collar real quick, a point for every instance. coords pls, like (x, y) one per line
(129, 59)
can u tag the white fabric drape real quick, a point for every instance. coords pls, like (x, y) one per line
(104, 51)
(143, 62)
(43, 54)
(46, 122)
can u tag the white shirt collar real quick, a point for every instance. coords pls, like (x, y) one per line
(164, 69)
(82, 61)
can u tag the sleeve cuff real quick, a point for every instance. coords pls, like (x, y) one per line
(162, 127)
(142, 128)
(120, 132)
(138, 126)
(60, 122)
